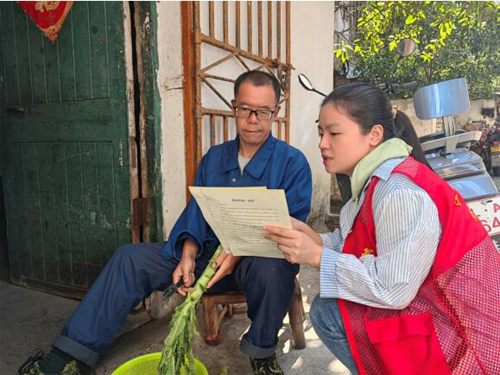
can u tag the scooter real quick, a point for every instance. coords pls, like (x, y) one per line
(447, 152)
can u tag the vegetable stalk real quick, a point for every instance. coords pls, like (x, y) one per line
(177, 353)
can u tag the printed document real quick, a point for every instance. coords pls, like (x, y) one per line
(237, 215)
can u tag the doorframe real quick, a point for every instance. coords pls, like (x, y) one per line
(188, 62)
(148, 119)
(131, 72)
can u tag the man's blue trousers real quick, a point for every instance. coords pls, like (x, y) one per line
(136, 270)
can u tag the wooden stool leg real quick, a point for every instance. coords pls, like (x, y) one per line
(211, 319)
(297, 316)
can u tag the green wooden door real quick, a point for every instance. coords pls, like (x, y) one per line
(67, 183)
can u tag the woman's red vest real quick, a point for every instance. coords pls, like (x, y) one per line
(452, 326)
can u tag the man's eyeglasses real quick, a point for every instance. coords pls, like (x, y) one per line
(261, 114)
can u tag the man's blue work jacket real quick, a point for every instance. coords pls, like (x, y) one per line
(276, 165)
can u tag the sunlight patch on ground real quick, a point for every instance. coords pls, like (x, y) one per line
(298, 363)
(336, 367)
(244, 333)
(314, 343)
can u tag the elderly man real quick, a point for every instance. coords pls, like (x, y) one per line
(254, 158)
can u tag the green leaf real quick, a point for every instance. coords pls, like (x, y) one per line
(431, 47)
(448, 28)
(427, 57)
(410, 19)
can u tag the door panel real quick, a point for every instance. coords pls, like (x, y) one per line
(67, 185)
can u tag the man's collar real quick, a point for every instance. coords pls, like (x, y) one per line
(257, 164)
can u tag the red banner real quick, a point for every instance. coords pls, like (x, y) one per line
(48, 15)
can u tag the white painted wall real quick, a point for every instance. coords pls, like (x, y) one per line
(311, 54)
(422, 127)
(170, 80)
(474, 114)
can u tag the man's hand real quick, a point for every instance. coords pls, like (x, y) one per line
(227, 264)
(297, 246)
(184, 271)
(185, 268)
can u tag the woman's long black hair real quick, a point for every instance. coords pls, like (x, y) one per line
(368, 105)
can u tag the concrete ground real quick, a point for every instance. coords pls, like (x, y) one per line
(30, 320)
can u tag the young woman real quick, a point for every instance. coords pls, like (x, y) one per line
(410, 283)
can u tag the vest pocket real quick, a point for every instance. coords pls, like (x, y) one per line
(407, 345)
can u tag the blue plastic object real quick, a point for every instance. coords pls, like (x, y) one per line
(442, 99)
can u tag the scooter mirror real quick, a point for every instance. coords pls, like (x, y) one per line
(406, 47)
(304, 81)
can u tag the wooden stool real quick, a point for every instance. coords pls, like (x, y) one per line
(213, 317)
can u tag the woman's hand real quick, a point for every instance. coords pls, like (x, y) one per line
(297, 246)
(306, 229)
(227, 262)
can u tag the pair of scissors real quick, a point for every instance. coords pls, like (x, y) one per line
(169, 292)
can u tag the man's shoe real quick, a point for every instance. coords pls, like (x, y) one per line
(50, 364)
(266, 366)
